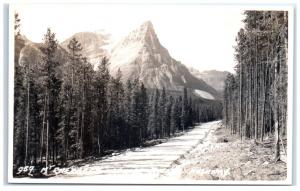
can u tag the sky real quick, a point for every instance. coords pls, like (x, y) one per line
(199, 36)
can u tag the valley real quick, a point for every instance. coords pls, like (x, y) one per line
(90, 109)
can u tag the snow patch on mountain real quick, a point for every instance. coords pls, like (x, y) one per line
(183, 79)
(214, 78)
(140, 55)
(95, 45)
(204, 94)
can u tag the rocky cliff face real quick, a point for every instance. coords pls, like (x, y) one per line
(138, 55)
(94, 45)
(141, 55)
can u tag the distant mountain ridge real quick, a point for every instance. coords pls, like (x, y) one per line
(29, 52)
(138, 55)
(213, 78)
(93, 45)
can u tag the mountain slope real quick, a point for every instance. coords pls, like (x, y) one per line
(93, 45)
(29, 53)
(140, 55)
(213, 78)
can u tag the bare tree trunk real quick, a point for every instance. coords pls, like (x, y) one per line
(42, 132)
(250, 101)
(98, 143)
(246, 114)
(232, 117)
(241, 99)
(277, 146)
(27, 120)
(247, 101)
(83, 115)
(53, 146)
(66, 140)
(67, 151)
(277, 129)
(270, 108)
(47, 132)
(82, 136)
(256, 90)
(276, 104)
(77, 132)
(140, 135)
(264, 106)
(99, 132)
(47, 144)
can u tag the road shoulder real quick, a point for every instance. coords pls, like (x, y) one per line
(223, 156)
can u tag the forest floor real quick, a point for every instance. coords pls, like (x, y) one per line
(207, 152)
(223, 156)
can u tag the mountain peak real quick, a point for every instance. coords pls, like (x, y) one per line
(144, 34)
(140, 55)
(149, 23)
(147, 26)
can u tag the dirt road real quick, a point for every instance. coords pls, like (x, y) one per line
(142, 165)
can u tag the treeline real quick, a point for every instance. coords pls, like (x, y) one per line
(67, 110)
(255, 98)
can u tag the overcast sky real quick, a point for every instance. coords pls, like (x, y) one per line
(199, 36)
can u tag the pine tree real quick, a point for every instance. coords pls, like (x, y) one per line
(19, 99)
(17, 25)
(52, 87)
(241, 47)
(135, 126)
(162, 118)
(168, 115)
(190, 113)
(261, 55)
(89, 106)
(86, 69)
(116, 111)
(153, 125)
(184, 112)
(173, 122)
(101, 88)
(127, 105)
(143, 115)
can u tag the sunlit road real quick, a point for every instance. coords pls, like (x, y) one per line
(142, 165)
